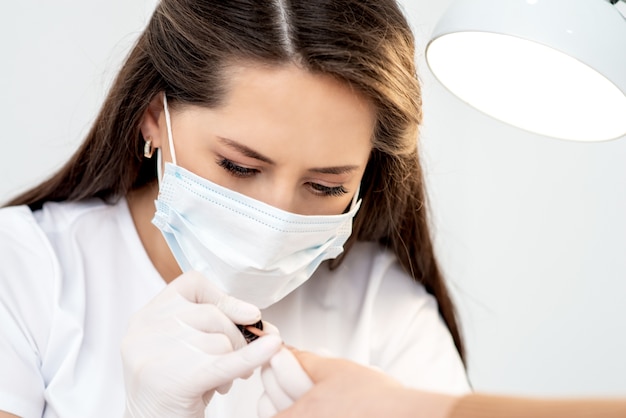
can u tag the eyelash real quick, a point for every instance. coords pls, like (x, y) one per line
(244, 172)
(236, 170)
(328, 191)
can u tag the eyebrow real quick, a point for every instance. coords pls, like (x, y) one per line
(344, 169)
(249, 152)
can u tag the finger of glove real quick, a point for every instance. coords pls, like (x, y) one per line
(197, 288)
(222, 389)
(273, 390)
(213, 344)
(172, 364)
(171, 339)
(265, 408)
(290, 374)
(237, 364)
(238, 311)
(210, 319)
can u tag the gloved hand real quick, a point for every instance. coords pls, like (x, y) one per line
(184, 345)
(284, 380)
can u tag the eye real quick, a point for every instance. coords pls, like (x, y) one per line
(322, 190)
(235, 169)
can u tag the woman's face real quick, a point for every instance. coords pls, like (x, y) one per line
(292, 139)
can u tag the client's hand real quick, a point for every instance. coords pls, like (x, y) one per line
(184, 345)
(344, 389)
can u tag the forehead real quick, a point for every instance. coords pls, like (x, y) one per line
(295, 109)
(281, 79)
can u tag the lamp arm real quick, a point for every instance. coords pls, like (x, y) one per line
(617, 7)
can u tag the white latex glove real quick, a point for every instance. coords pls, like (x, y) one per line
(284, 382)
(184, 345)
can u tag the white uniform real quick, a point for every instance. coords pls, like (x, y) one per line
(72, 274)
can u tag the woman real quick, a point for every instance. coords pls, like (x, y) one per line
(273, 137)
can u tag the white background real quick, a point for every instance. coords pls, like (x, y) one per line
(531, 231)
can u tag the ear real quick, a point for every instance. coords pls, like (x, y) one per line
(153, 122)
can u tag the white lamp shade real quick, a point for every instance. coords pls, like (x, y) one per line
(552, 67)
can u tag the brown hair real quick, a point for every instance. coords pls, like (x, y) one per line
(184, 52)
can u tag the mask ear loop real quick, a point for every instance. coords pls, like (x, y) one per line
(170, 139)
(159, 163)
(168, 124)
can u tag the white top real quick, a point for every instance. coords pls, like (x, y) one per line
(73, 273)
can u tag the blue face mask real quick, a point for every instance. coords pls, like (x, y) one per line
(249, 249)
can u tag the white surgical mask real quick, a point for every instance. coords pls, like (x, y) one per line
(249, 249)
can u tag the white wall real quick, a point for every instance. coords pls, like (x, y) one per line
(531, 231)
(58, 59)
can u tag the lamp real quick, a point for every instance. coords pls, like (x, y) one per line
(552, 67)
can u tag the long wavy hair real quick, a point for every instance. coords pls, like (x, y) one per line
(185, 51)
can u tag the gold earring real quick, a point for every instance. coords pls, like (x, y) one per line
(148, 150)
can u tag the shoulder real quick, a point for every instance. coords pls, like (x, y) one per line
(56, 217)
(25, 231)
(22, 242)
(35, 244)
